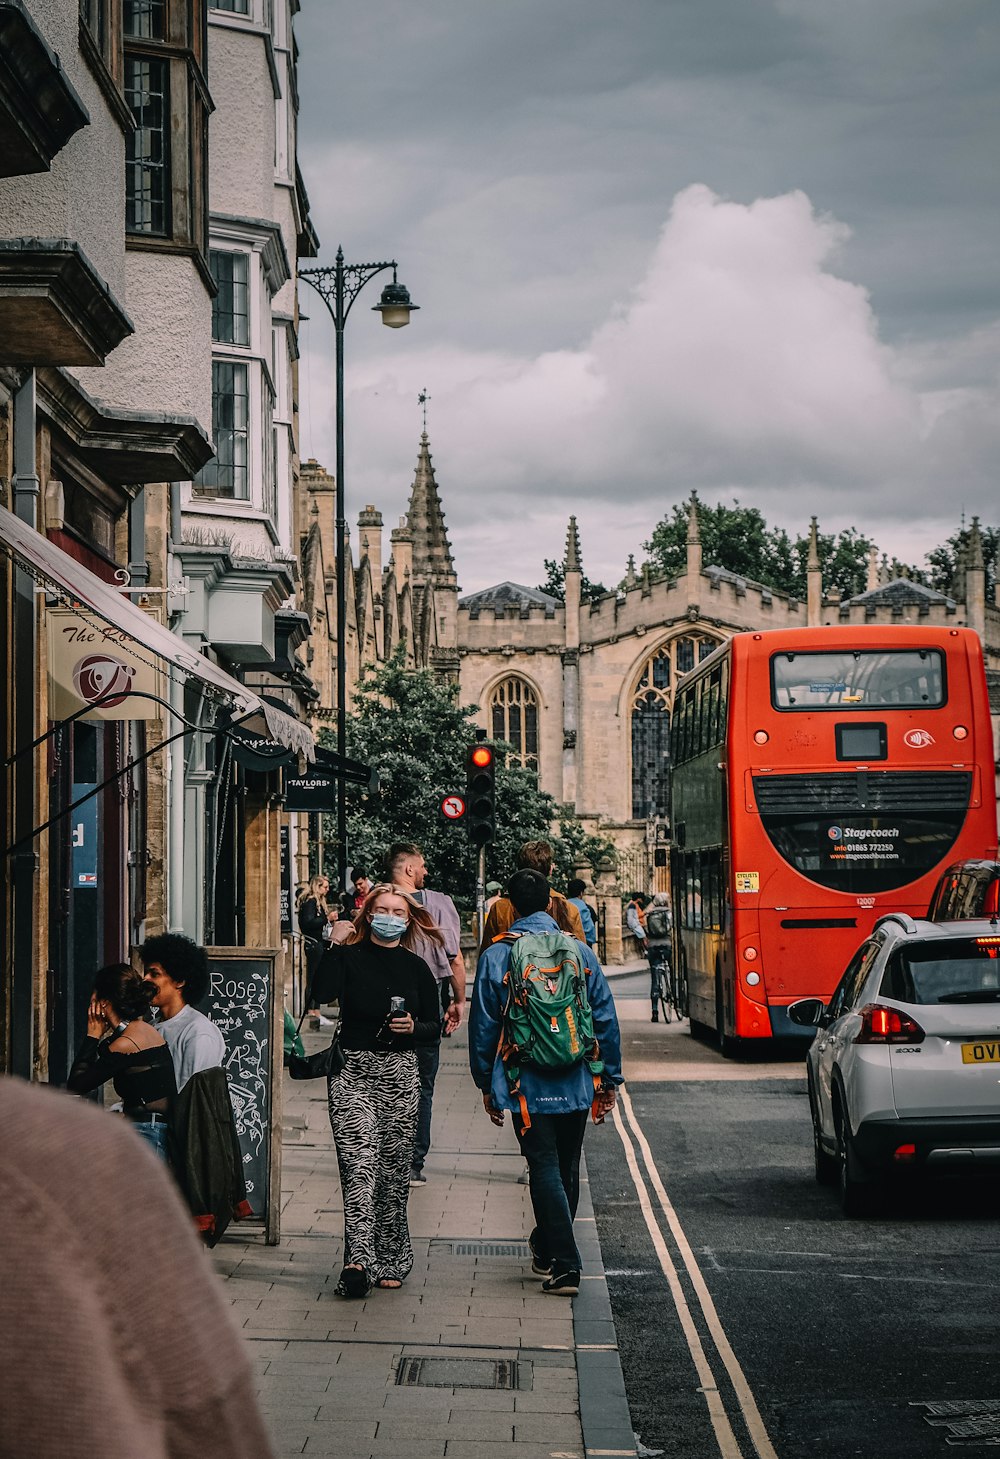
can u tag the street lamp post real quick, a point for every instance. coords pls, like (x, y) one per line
(338, 287)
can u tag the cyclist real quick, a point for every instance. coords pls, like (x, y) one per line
(658, 951)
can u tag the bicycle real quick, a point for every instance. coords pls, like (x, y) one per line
(659, 989)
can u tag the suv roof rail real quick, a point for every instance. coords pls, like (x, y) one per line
(903, 918)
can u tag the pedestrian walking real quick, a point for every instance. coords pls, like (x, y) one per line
(545, 1045)
(362, 884)
(117, 1339)
(178, 968)
(121, 1045)
(574, 893)
(493, 890)
(407, 869)
(635, 919)
(316, 918)
(389, 1009)
(533, 856)
(657, 931)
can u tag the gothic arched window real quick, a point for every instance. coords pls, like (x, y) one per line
(514, 719)
(652, 701)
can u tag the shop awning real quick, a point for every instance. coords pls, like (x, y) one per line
(52, 567)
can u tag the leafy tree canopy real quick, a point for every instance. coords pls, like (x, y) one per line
(411, 727)
(739, 539)
(944, 562)
(555, 584)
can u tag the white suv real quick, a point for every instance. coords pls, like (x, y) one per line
(904, 1071)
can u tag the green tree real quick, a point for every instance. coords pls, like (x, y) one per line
(555, 584)
(739, 539)
(413, 730)
(943, 562)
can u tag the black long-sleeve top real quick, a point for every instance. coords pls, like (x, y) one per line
(143, 1079)
(312, 919)
(362, 977)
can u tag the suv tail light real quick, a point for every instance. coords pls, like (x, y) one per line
(883, 1025)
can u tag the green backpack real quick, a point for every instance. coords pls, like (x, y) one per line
(547, 1019)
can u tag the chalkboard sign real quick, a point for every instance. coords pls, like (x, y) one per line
(241, 1002)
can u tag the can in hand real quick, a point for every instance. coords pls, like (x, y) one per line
(396, 1007)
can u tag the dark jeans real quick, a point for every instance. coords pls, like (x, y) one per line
(428, 1058)
(552, 1146)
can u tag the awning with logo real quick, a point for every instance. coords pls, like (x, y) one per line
(54, 568)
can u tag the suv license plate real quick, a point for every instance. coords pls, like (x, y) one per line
(981, 1053)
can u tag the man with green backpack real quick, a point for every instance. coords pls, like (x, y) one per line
(544, 1044)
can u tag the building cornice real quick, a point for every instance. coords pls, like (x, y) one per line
(55, 309)
(40, 110)
(122, 447)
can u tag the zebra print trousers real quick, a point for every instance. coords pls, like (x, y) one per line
(373, 1114)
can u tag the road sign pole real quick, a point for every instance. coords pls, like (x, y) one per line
(481, 893)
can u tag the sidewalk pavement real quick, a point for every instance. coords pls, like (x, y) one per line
(469, 1360)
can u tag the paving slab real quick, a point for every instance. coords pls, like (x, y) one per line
(328, 1371)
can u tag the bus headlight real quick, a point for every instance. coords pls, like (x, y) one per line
(753, 979)
(761, 737)
(960, 732)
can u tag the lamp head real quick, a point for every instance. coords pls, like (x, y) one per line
(394, 306)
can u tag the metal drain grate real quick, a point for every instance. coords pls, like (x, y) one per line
(458, 1373)
(515, 1248)
(971, 1423)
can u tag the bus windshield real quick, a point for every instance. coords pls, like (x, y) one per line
(858, 679)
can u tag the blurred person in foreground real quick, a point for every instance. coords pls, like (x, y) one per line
(549, 1105)
(117, 1340)
(122, 1045)
(533, 856)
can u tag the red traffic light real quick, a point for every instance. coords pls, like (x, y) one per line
(482, 756)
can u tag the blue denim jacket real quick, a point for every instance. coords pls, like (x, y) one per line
(545, 1092)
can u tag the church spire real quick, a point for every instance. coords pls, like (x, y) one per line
(425, 518)
(571, 559)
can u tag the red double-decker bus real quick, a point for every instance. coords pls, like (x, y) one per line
(820, 778)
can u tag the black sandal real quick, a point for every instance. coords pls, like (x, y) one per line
(354, 1282)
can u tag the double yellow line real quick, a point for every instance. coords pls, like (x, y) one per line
(632, 1137)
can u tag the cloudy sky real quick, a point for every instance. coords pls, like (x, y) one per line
(748, 247)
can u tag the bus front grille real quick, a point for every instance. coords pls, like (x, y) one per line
(876, 791)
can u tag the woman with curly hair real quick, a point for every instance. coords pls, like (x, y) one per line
(388, 1005)
(122, 1045)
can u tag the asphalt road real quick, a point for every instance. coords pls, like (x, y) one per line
(839, 1330)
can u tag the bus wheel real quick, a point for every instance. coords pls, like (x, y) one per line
(728, 1046)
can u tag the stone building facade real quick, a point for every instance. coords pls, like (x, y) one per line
(584, 690)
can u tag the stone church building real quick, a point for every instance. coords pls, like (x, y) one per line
(582, 690)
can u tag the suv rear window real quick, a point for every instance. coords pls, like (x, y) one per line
(959, 970)
(859, 679)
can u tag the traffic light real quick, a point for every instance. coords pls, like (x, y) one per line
(480, 798)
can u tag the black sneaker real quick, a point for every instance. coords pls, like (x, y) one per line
(566, 1284)
(417, 1177)
(540, 1268)
(655, 1018)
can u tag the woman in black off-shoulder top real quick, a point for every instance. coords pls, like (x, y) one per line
(121, 1045)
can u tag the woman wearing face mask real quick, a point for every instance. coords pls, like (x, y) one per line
(373, 1101)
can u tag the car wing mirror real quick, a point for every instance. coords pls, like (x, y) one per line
(808, 1013)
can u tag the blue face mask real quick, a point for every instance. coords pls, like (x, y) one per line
(388, 926)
